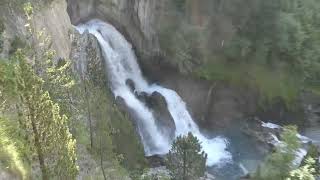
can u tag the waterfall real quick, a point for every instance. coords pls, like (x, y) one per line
(122, 65)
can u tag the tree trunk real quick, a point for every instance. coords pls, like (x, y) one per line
(38, 145)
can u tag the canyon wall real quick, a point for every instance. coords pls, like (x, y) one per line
(166, 34)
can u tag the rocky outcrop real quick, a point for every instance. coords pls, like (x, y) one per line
(85, 50)
(157, 103)
(52, 17)
(136, 19)
(160, 111)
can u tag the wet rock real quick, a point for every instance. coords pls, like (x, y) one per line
(263, 136)
(158, 105)
(160, 111)
(130, 84)
(142, 96)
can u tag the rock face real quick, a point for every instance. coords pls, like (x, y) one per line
(167, 29)
(52, 17)
(152, 26)
(85, 49)
(136, 18)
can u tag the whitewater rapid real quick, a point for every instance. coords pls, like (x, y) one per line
(122, 66)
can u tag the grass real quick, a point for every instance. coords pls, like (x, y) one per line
(270, 83)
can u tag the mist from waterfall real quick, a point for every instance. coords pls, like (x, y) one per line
(122, 65)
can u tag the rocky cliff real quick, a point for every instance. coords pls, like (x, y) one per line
(169, 29)
(52, 17)
(172, 37)
(137, 19)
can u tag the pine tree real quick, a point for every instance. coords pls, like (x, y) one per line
(185, 160)
(49, 132)
(56, 73)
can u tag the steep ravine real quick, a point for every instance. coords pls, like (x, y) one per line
(148, 24)
(217, 107)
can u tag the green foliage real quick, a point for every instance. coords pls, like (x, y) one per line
(305, 172)
(279, 164)
(49, 132)
(59, 81)
(281, 34)
(270, 83)
(56, 73)
(313, 153)
(276, 50)
(185, 160)
(12, 149)
(28, 10)
(41, 122)
(7, 80)
(16, 44)
(182, 44)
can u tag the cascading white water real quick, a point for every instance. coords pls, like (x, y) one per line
(122, 65)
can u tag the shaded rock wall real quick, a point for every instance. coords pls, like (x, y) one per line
(136, 19)
(158, 29)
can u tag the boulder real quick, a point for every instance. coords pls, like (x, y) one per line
(159, 107)
(263, 136)
(130, 84)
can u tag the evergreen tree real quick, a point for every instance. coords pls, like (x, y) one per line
(281, 34)
(49, 132)
(56, 73)
(185, 160)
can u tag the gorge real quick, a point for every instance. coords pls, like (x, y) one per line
(240, 75)
(122, 66)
